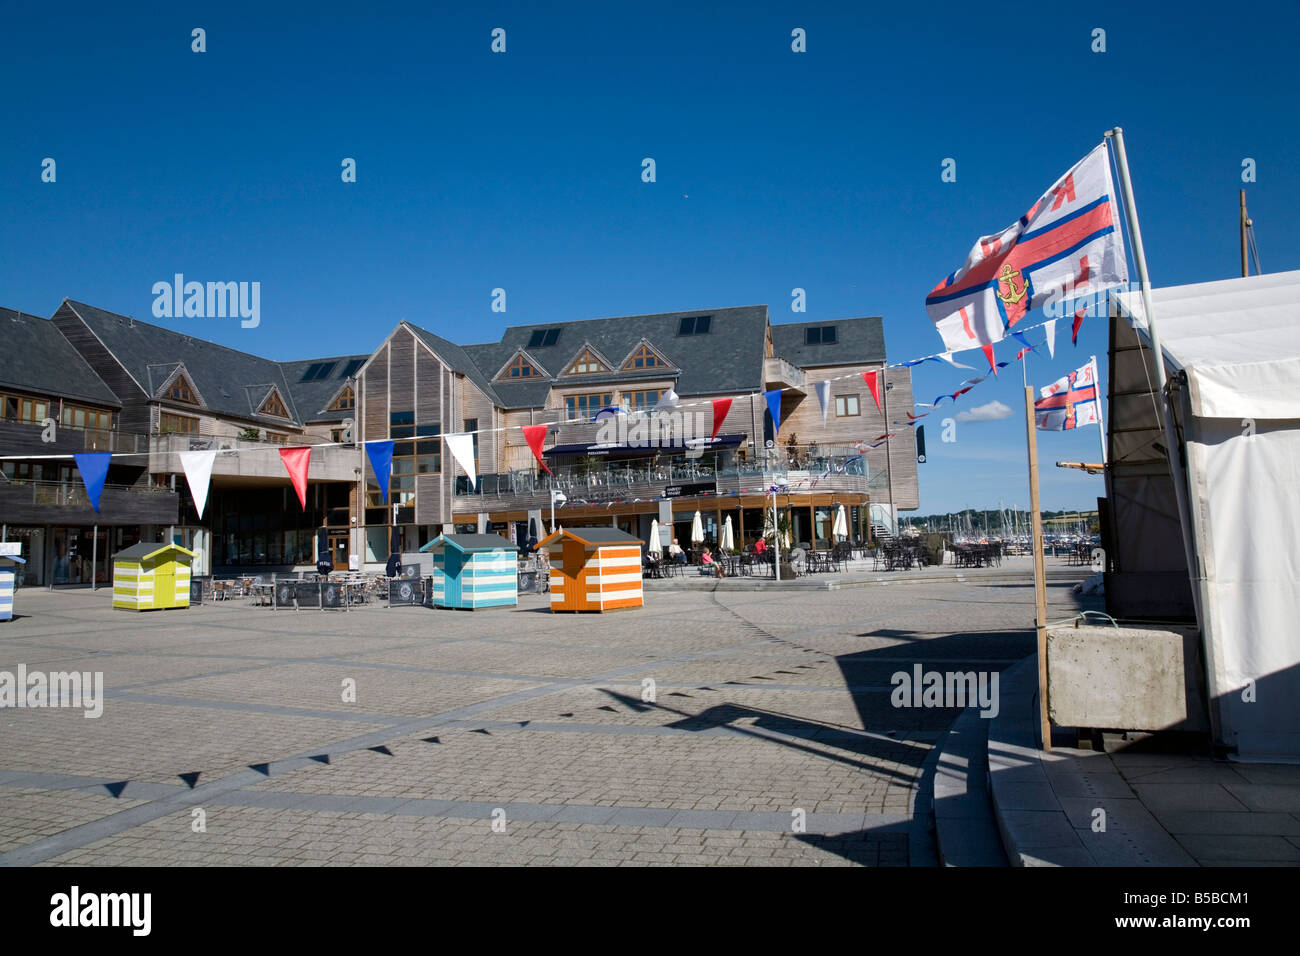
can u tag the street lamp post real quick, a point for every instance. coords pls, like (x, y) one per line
(776, 528)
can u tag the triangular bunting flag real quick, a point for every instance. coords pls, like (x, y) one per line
(873, 382)
(1078, 321)
(774, 406)
(535, 435)
(380, 454)
(1050, 328)
(1021, 353)
(947, 357)
(720, 408)
(668, 400)
(988, 354)
(198, 472)
(93, 466)
(824, 396)
(462, 450)
(296, 462)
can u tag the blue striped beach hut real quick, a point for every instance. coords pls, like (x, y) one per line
(8, 558)
(473, 571)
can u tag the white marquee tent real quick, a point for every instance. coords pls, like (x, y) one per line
(1233, 350)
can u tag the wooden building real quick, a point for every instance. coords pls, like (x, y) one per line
(473, 570)
(152, 577)
(594, 569)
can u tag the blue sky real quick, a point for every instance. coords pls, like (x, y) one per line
(521, 170)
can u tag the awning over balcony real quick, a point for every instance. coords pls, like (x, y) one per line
(671, 445)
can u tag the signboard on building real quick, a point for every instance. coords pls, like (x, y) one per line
(689, 491)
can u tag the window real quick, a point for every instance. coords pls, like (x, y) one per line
(542, 338)
(644, 358)
(273, 406)
(34, 410)
(351, 368)
(347, 400)
(586, 406)
(643, 400)
(177, 424)
(846, 405)
(275, 438)
(181, 391)
(819, 335)
(521, 368)
(75, 416)
(695, 325)
(471, 426)
(419, 454)
(587, 363)
(317, 371)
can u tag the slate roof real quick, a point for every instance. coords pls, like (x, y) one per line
(859, 341)
(594, 536)
(46, 363)
(229, 381)
(145, 549)
(310, 398)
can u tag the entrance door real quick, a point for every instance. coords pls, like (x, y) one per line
(575, 576)
(339, 551)
(164, 586)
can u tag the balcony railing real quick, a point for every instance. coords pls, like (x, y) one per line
(647, 478)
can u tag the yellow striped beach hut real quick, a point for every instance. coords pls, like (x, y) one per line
(152, 577)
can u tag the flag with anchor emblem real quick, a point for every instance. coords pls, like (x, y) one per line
(1070, 402)
(1067, 245)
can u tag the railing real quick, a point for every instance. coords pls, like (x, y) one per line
(72, 494)
(640, 476)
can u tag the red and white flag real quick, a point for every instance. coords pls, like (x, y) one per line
(1068, 244)
(1070, 402)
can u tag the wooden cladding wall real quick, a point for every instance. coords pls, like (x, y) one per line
(374, 391)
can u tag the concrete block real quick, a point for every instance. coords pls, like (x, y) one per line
(1125, 679)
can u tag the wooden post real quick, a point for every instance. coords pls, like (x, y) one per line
(741, 511)
(1040, 571)
(812, 526)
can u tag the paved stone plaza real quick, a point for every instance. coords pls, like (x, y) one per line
(495, 737)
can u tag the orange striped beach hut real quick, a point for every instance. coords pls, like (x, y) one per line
(594, 569)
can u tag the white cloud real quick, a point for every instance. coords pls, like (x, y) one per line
(991, 412)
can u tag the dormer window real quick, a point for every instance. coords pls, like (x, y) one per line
(587, 363)
(346, 401)
(273, 406)
(521, 368)
(644, 358)
(182, 392)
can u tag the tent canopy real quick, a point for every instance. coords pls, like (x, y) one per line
(1238, 340)
(1238, 343)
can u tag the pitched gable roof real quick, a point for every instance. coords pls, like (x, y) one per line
(47, 362)
(220, 374)
(458, 359)
(312, 397)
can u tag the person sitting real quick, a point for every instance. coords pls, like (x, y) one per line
(760, 546)
(676, 553)
(710, 566)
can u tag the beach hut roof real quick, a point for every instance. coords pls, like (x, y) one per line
(470, 542)
(13, 557)
(148, 549)
(592, 536)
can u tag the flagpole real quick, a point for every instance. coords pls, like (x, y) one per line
(1101, 423)
(1166, 408)
(1040, 571)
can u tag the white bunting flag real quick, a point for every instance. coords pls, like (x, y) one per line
(198, 472)
(947, 357)
(824, 396)
(462, 450)
(1049, 328)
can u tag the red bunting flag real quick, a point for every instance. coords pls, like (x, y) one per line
(871, 378)
(988, 354)
(720, 408)
(296, 462)
(535, 435)
(1078, 321)
(1021, 354)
